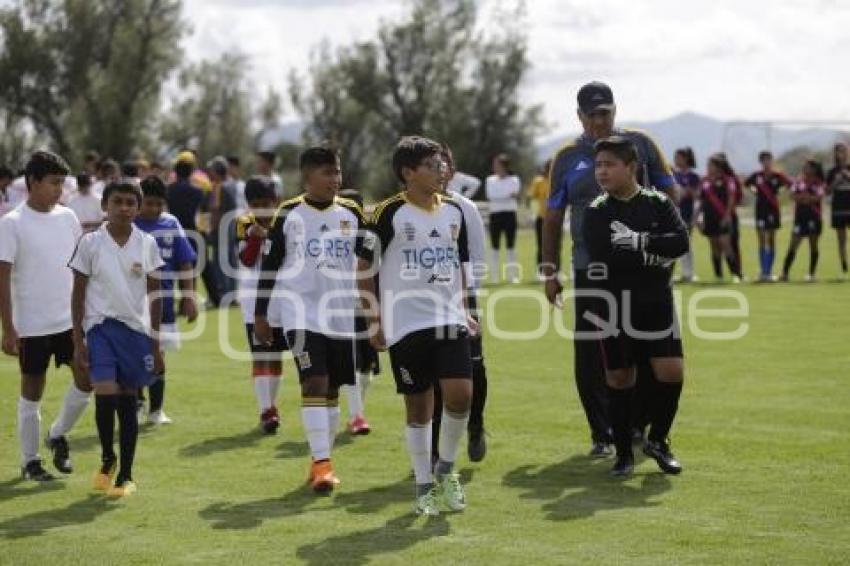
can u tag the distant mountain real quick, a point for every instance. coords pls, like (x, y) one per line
(706, 135)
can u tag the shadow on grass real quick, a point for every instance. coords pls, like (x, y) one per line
(17, 487)
(578, 488)
(36, 524)
(361, 546)
(222, 444)
(299, 449)
(252, 514)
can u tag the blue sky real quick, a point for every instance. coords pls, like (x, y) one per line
(753, 59)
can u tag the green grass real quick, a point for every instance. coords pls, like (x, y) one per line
(762, 433)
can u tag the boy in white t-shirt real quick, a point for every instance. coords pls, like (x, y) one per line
(116, 331)
(36, 241)
(86, 205)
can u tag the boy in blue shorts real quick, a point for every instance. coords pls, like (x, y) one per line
(115, 329)
(179, 258)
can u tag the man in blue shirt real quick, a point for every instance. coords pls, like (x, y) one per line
(574, 186)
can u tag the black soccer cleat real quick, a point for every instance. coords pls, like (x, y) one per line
(660, 452)
(624, 466)
(61, 453)
(600, 450)
(35, 471)
(476, 447)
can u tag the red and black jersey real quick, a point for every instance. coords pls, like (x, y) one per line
(804, 187)
(714, 195)
(767, 185)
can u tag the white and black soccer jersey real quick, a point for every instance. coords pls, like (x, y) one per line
(421, 254)
(313, 255)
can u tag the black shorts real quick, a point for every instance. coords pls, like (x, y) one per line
(840, 219)
(808, 226)
(368, 360)
(316, 354)
(263, 352)
(768, 220)
(34, 352)
(625, 349)
(422, 358)
(713, 227)
(503, 223)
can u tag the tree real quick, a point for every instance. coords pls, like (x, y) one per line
(88, 73)
(212, 111)
(432, 74)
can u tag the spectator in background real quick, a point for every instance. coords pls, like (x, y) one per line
(107, 171)
(737, 198)
(717, 203)
(838, 185)
(90, 164)
(502, 189)
(143, 168)
(464, 184)
(234, 179)
(130, 170)
(539, 190)
(6, 178)
(688, 180)
(157, 169)
(265, 167)
(766, 184)
(85, 205)
(222, 208)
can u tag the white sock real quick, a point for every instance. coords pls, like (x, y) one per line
(452, 428)
(419, 447)
(316, 421)
(73, 406)
(688, 265)
(274, 387)
(333, 425)
(512, 265)
(355, 401)
(29, 419)
(261, 390)
(494, 266)
(363, 380)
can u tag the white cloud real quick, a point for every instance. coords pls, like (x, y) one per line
(758, 59)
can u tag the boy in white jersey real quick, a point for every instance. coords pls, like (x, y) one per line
(314, 241)
(419, 238)
(36, 241)
(252, 240)
(115, 329)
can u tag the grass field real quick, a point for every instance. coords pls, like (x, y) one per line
(760, 433)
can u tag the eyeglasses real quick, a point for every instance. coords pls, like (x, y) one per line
(435, 164)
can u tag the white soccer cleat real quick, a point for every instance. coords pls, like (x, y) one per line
(158, 418)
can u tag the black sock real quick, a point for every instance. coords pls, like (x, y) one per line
(141, 394)
(718, 266)
(127, 435)
(620, 411)
(436, 421)
(813, 262)
(665, 407)
(479, 398)
(844, 264)
(789, 259)
(104, 416)
(157, 393)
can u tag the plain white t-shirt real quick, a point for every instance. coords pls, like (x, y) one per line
(464, 184)
(39, 245)
(86, 207)
(117, 284)
(502, 193)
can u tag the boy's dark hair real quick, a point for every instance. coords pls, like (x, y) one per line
(765, 155)
(122, 186)
(234, 161)
(505, 160)
(817, 168)
(152, 186)
(411, 151)
(183, 170)
(258, 187)
(107, 166)
(622, 148)
(218, 165)
(722, 162)
(130, 169)
(317, 156)
(352, 194)
(92, 155)
(44, 163)
(83, 180)
(6, 173)
(688, 154)
(269, 156)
